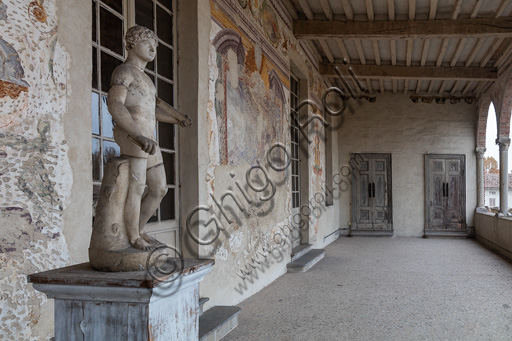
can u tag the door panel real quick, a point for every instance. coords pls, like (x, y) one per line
(445, 192)
(371, 193)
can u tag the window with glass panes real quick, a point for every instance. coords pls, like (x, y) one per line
(294, 133)
(111, 19)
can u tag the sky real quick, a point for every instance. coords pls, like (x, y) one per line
(492, 148)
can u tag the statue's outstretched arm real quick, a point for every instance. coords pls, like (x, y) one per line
(166, 113)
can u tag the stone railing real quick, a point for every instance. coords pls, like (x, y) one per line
(494, 232)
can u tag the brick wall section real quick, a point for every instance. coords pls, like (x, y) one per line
(483, 111)
(506, 108)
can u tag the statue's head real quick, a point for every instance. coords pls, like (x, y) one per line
(138, 33)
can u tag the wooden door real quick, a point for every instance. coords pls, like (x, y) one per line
(371, 193)
(445, 192)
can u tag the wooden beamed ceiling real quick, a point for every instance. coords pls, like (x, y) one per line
(426, 47)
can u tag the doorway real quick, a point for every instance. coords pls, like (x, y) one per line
(371, 195)
(445, 193)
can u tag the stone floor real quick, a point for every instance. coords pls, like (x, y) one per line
(387, 289)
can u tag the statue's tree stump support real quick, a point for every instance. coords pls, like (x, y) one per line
(110, 249)
(95, 305)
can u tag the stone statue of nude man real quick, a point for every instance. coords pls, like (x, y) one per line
(135, 109)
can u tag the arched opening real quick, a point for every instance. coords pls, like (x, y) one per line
(491, 158)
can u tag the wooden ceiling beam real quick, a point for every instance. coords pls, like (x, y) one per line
(441, 88)
(369, 86)
(454, 87)
(326, 8)
(430, 86)
(413, 72)
(480, 27)
(467, 87)
(395, 86)
(406, 86)
(381, 85)
(347, 8)
(503, 57)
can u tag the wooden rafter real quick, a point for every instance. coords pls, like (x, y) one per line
(291, 9)
(431, 86)
(476, 8)
(442, 52)
(395, 86)
(326, 49)
(418, 87)
(426, 44)
(501, 8)
(433, 9)
(414, 72)
(495, 45)
(454, 87)
(474, 51)
(306, 9)
(326, 8)
(458, 51)
(408, 59)
(503, 57)
(360, 51)
(369, 10)
(441, 88)
(343, 49)
(478, 28)
(376, 51)
(393, 51)
(467, 87)
(406, 86)
(412, 9)
(456, 9)
(391, 9)
(347, 8)
(369, 86)
(381, 85)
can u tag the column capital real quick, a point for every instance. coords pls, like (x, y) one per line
(480, 152)
(504, 143)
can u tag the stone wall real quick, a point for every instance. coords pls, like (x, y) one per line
(45, 211)
(251, 53)
(408, 131)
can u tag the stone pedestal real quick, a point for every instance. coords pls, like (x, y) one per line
(94, 305)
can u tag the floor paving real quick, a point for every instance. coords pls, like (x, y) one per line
(387, 289)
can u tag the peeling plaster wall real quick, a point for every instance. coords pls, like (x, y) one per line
(248, 112)
(40, 152)
(408, 131)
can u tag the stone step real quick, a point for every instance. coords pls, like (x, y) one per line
(202, 301)
(300, 251)
(371, 233)
(217, 322)
(445, 234)
(305, 262)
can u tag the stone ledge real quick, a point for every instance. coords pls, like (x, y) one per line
(217, 322)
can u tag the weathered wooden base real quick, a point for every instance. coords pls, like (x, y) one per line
(94, 305)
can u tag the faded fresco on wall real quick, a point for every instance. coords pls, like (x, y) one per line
(35, 175)
(248, 111)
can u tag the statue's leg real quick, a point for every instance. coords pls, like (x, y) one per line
(157, 188)
(136, 186)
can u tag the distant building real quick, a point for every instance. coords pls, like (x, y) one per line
(492, 189)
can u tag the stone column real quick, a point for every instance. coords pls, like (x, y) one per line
(504, 143)
(480, 204)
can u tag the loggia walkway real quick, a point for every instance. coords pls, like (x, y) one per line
(387, 289)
